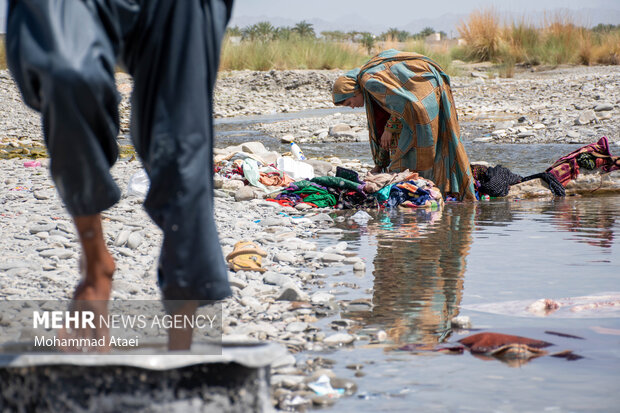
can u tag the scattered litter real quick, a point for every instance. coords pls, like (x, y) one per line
(32, 164)
(361, 217)
(295, 169)
(138, 184)
(323, 387)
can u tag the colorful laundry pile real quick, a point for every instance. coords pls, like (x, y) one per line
(405, 189)
(251, 173)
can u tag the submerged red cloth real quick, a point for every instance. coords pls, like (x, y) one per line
(486, 342)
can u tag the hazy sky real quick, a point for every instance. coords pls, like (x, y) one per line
(400, 11)
(391, 12)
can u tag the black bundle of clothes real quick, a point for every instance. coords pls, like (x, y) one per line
(496, 181)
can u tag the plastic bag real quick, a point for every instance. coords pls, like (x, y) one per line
(138, 184)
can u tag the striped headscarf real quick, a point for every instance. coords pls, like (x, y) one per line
(345, 86)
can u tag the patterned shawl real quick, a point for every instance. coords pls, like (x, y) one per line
(414, 88)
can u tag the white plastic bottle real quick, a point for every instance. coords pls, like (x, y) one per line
(297, 153)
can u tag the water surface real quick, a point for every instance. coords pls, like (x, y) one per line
(424, 268)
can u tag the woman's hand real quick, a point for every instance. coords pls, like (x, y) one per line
(386, 140)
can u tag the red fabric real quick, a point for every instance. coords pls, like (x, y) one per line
(381, 118)
(485, 342)
(566, 168)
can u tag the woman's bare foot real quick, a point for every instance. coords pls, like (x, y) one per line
(377, 169)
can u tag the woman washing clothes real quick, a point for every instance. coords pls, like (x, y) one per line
(412, 119)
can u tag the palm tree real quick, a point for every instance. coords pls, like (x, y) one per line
(234, 31)
(391, 34)
(264, 31)
(368, 40)
(304, 29)
(282, 33)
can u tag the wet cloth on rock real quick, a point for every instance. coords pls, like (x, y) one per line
(566, 168)
(555, 186)
(496, 181)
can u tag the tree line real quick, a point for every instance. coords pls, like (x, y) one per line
(265, 31)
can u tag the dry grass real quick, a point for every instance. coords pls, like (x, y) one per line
(291, 54)
(559, 40)
(483, 34)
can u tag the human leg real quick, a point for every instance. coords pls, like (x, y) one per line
(174, 63)
(62, 58)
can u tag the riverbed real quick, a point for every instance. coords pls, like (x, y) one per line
(416, 270)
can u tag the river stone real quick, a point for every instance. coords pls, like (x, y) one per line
(321, 168)
(323, 401)
(218, 193)
(525, 134)
(504, 125)
(330, 257)
(43, 195)
(296, 327)
(573, 134)
(338, 339)
(122, 238)
(483, 140)
(322, 217)
(275, 222)
(321, 298)
(302, 206)
(286, 380)
(287, 138)
(234, 184)
(349, 386)
(42, 228)
(339, 129)
(602, 107)
(586, 117)
(56, 252)
(245, 194)
(218, 181)
(274, 278)
(291, 293)
(285, 257)
(359, 266)
(134, 240)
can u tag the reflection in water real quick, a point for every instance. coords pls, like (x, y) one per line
(419, 272)
(591, 222)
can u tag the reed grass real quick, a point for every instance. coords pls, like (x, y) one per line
(291, 54)
(483, 34)
(558, 40)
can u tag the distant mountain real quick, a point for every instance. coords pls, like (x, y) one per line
(447, 23)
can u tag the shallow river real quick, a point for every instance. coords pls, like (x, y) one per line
(424, 268)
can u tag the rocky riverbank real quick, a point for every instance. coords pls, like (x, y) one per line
(562, 105)
(559, 105)
(40, 250)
